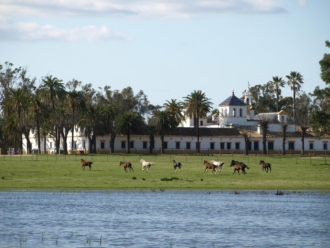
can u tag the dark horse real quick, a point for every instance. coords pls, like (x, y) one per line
(209, 166)
(86, 163)
(176, 165)
(239, 166)
(126, 165)
(266, 166)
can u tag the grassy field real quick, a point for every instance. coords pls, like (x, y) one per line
(59, 172)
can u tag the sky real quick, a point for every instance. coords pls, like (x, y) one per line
(167, 48)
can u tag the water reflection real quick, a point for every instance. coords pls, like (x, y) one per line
(164, 219)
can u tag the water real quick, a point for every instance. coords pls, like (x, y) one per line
(164, 219)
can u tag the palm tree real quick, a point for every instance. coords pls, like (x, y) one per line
(109, 112)
(53, 89)
(295, 80)
(127, 123)
(175, 108)
(164, 123)
(76, 102)
(275, 86)
(197, 105)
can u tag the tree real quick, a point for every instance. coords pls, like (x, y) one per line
(325, 66)
(53, 90)
(275, 87)
(284, 128)
(304, 107)
(164, 123)
(247, 133)
(76, 102)
(197, 105)
(127, 123)
(320, 117)
(295, 80)
(176, 109)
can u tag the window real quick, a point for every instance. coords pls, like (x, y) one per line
(123, 144)
(247, 101)
(311, 146)
(131, 144)
(325, 146)
(228, 146)
(102, 144)
(234, 112)
(222, 145)
(237, 146)
(145, 144)
(201, 123)
(291, 145)
(177, 145)
(256, 145)
(212, 146)
(249, 146)
(270, 145)
(188, 145)
(282, 118)
(165, 144)
(240, 112)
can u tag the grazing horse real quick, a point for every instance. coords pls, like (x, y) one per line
(209, 166)
(126, 165)
(218, 164)
(86, 163)
(146, 165)
(176, 165)
(239, 166)
(265, 166)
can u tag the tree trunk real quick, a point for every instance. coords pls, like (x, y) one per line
(162, 145)
(39, 137)
(128, 144)
(112, 141)
(303, 132)
(284, 139)
(151, 142)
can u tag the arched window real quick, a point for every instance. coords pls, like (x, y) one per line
(234, 112)
(247, 101)
(240, 112)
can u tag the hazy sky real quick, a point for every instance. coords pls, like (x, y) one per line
(167, 48)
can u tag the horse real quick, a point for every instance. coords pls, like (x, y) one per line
(265, 166)
(239, 166)
(176, 165)
(218, 164)
(86, 163)
(209, 166)
(146, 165)
(126, 165)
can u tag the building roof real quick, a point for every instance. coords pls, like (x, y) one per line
(233, 101)
(270, 117)
(191, 131)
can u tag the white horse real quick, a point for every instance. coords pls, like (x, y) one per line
(218, 164)
(146, 165)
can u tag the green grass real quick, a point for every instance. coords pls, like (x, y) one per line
(59, 172)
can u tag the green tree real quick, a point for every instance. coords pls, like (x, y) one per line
(176, 109)
(295, 80)
(128, 123)
(164, 122)
(76, 102)
(275, 87)
(53, 90)
(325, 66)
(197, 106)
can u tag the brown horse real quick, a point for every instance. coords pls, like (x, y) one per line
(209, 166)
(239, 166)
(126, 165)
(86, 163)
(265, 166)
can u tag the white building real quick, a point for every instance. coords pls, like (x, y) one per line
(223, 135)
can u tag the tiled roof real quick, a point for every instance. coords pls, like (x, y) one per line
(233, 101)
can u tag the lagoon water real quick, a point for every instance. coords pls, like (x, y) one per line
(164, 219)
